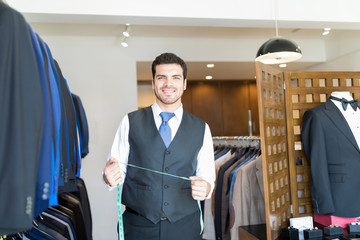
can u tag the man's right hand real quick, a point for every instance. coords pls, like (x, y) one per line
(112, 172)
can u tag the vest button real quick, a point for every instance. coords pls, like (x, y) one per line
(166, 203)
(167, 169)
(166, 186)
(167, 152)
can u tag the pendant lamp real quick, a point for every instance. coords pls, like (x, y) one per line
(278, 50)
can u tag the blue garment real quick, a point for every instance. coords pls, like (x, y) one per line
(252, 156)
(21, 122)
(83, 125)
(71, 146)
(46, 154)
(218, 194)
(63, 218)
(221, 153)
(39, 235)
(83, 129)
(55, 170)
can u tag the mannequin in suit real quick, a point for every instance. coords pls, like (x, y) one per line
(331, 139)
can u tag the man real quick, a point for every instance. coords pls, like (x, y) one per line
(159, 206)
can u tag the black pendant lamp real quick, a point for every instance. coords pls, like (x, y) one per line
(278, 50)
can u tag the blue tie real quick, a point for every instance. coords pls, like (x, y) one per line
(164, 130)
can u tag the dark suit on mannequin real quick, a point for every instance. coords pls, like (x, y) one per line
(334, 158)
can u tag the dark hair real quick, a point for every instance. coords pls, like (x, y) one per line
(168, 58)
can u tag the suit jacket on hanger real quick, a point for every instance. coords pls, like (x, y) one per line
(21, 122)
(248, 204)
(334, 158)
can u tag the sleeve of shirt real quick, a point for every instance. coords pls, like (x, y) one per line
(206, 162)
(120, 147)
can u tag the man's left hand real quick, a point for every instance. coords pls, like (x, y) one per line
(199, 188)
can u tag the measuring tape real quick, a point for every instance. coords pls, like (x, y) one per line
(121, 226)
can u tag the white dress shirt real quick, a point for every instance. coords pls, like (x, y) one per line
(205, 165)
(352, 117)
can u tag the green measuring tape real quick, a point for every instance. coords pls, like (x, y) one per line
(121, 226)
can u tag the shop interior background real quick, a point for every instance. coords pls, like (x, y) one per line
(85, 38)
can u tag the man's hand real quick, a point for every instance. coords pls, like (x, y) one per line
(199, 188)
(112, 173)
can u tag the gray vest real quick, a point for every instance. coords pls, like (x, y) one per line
(155, 195)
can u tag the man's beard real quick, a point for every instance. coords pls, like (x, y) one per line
(165, 100)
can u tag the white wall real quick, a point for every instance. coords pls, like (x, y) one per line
(103, 74)
(342, 52)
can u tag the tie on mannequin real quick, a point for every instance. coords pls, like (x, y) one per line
(164, 130)
(353, 103)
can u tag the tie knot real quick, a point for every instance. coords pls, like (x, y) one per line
(166, 116)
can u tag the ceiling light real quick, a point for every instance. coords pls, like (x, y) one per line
(278, 49)
(208, 77)
(124, 42)
(326, 31)
(210, 65)
(126, 33)
(282, 65)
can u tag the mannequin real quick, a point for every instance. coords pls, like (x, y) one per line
(351, 116)
(346, 95)
(331, 137)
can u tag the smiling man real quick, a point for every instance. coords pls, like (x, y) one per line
(165, 138)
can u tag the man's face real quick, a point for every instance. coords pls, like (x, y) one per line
(169, 84)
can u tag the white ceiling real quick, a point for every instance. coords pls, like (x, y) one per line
(249, 24)
(224, 70)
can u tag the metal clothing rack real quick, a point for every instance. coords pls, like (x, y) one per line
(237, 141)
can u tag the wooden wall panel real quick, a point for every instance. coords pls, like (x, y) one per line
(235, 108)
(206, 104)
(223, 105)
(187, 99)
(305, 90)
(253, 102)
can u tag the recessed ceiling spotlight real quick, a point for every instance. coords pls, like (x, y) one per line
(327, 29)
(210, 65)
(282, 65)
(208, 77)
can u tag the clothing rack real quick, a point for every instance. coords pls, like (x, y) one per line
(50, 201)
(237, 141)
(238, 167)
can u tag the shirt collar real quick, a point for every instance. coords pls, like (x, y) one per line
(157, 110)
